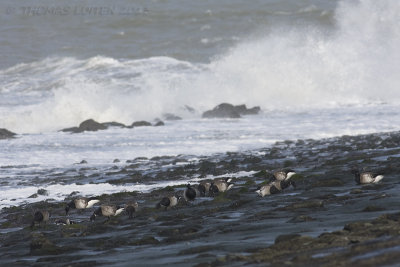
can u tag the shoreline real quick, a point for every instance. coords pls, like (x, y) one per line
(233, 227)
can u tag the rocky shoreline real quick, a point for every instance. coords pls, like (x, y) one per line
(327, 220)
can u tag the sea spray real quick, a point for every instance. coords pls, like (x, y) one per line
(297, 68)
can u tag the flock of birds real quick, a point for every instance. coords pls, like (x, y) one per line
(281, 180)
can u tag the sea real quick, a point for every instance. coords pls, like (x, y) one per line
(316, 68)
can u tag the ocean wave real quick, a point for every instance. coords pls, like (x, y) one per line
(287, 68)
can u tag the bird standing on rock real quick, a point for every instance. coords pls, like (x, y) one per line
(274, 187)
(168, 202)
(366, 177)
(220, 186)
(268, 189)
(204, 188)
(81, 203)
(39, 217)
(189, 193)
(131, 208)
(106, 211)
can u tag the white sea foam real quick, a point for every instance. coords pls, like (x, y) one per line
(356, 63)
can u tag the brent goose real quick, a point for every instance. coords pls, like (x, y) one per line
(131, 208)
(284, 174)
(64, 221)
(81, 203)
(274, 187)
(366, 177)
(106, 211)
(204, 188)
(39, 217)
(267, 190)
(221, 186)
(168, 202)
(189, 193)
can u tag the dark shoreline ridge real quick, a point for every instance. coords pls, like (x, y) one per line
(325, 221)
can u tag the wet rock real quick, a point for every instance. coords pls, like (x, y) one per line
(301, 218)
(159, 123)
(171, 117)
(43, 192)
(356, 191)
(243, 110)
(308, 204)
(372, 208)
(285, 238)
(116, 161)
(88, 125)
(328, 183)
(356, 226)
(140, 124)
(6, 134)
(147, 240)
(40, 245)
(114, 124)
(226, 110)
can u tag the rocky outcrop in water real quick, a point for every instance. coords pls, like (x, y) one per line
(6, 134)
(140, 124)
(114, 124)
(159, 123)
(87, 125)
(171, 117)
(226, 110)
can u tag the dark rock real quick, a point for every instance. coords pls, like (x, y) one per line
(88, 125)
(116, 161)
(6, 134)
(307, 204)
(171, 117)
(222, 111)
(284, 238)
(372, 209)
(328, 183)
(140, 124)
(40, 245)
(72, 130)
(159, 123)
(113, 124)
(226, 110)
(42, 192)
(243, 110)
(301, 218)
(91, 125)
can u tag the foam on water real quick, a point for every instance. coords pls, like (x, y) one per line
(356, 63)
